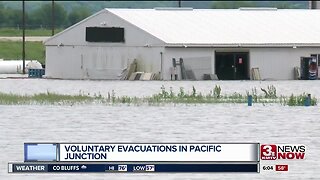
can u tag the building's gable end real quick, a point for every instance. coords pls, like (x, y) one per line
(62, 34)
(75, 35)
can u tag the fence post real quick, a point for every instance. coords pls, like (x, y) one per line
(307, 101)
(249, 100)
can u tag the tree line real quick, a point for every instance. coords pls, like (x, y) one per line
(275, 4)
(42, 16)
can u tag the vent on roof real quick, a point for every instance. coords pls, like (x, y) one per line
(258, 9)
(173, 9)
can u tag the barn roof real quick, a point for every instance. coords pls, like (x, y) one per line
(244, 27)
(233, 27)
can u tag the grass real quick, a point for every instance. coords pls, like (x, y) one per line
(13, 50)
(29, 32)
(163, 97)
(44, 98)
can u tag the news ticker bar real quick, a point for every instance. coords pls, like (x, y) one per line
(141, 152)
(130, 168)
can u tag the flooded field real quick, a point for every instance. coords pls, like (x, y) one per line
(169, 123)
(145, 88)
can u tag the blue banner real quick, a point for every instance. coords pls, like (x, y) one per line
(130, 168)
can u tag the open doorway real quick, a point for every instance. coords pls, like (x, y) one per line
(232, 65)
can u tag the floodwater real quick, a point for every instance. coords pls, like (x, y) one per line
(274, 124)
(146, 88)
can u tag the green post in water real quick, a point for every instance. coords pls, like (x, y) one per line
(250, 100)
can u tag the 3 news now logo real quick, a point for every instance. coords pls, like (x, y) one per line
(285, 151)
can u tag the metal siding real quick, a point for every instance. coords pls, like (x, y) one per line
(191, 55)
(80, 62)
(278, 63)
(63, 63)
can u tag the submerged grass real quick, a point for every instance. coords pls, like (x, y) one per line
(44, 98)
(163, 97)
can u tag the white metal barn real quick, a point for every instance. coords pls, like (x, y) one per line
(228, 43)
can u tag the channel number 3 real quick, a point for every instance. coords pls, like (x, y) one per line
(268, 151)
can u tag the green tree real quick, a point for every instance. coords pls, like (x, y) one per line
(232, 4)
(14, 17)
(78, 14)
(2, 14)
(42, 16)
(283, 5)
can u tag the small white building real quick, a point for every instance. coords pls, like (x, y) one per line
(228, 43)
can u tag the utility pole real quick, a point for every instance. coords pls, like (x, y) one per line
(23, 39)
(52, 18)
(179, 3)
(313, 4)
